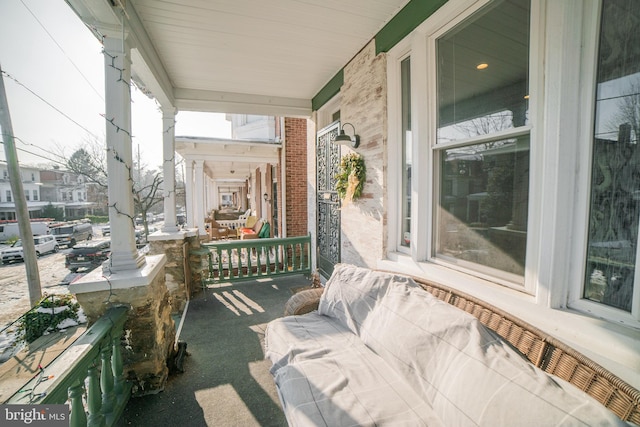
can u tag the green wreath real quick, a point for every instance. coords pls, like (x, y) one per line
(351, 164)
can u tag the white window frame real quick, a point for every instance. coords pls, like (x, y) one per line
(449, 19)
(590, 16)
(394, 108)
(563, 45)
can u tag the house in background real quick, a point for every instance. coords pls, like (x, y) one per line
(32, 185)
(43, 186)
(499, 137)
(72, 193)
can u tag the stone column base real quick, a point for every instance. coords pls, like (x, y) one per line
(150, 332)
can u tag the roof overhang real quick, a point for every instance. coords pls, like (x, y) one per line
(266, 58)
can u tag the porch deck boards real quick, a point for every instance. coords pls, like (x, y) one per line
(226, 380)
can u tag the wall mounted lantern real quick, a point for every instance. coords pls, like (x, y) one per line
(344, 139)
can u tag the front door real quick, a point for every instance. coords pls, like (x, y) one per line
(327, 167)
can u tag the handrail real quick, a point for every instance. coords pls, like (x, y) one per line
(235, 260)
(94, 357)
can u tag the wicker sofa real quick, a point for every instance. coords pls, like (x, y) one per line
(379, 350)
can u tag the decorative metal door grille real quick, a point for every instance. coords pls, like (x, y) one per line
(327, 165)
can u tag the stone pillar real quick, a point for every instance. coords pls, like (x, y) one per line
(188, 184)
(150, 332)
(176, 247)
(124, 254)
(168, 170)
(198, 214)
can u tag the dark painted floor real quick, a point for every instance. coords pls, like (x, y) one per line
(226, 380)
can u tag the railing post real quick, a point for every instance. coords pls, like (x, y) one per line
(106, 380)
(210, 259)
(239, 255)
(219, 255)
(276, 249)
(268, 252)
(78, 417)
(94, 401)
(118, 372)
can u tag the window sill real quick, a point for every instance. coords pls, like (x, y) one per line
(616, 347)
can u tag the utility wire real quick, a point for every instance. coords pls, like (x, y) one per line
(49, 104)
(37, 155)
(63, 51)
(39, 148)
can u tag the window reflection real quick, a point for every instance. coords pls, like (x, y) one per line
(612, 252)
(406, 152)
(483, 204)
(475, 100)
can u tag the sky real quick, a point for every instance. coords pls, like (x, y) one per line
(54, 79)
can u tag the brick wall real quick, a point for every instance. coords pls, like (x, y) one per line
(296, 173)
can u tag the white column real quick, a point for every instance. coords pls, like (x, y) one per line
(188, 182)
(169, 169)
(199, 197)
(207, 195)
(124, 254)
(216, 195)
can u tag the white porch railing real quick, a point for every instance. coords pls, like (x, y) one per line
(233, 224)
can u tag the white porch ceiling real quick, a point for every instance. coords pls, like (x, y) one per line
(226, 160)
(240, 56)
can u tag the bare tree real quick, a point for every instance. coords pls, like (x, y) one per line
(628, 114)
(90, 161)
(147, 193)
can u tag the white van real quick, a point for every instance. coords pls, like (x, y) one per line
(10, 229)
(70, 233)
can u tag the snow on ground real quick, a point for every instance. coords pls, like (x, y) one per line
(14, 288)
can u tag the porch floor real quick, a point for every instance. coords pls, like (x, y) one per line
(226, 381)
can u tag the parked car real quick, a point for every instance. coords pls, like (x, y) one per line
(44, 244)
(69, 234)
(105, 229)
(88, 255)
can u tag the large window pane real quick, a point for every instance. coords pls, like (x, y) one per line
(482, 83)
(483, 72)
(612, 253)
(484, 191)
(406, 152)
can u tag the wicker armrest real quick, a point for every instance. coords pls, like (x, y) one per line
(303, 302)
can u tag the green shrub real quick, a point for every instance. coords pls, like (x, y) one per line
(97, 219)
(37, 321)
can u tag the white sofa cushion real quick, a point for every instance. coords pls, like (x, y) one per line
(352, 292)
(326, 376)
(469, 375)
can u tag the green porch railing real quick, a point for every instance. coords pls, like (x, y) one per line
(235, 260)
(93, 359)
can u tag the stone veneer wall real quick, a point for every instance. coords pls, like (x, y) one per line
(149, 330)
(364, 104)
(296, 164)
(175, 274)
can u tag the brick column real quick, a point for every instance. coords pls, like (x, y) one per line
(296, 171)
